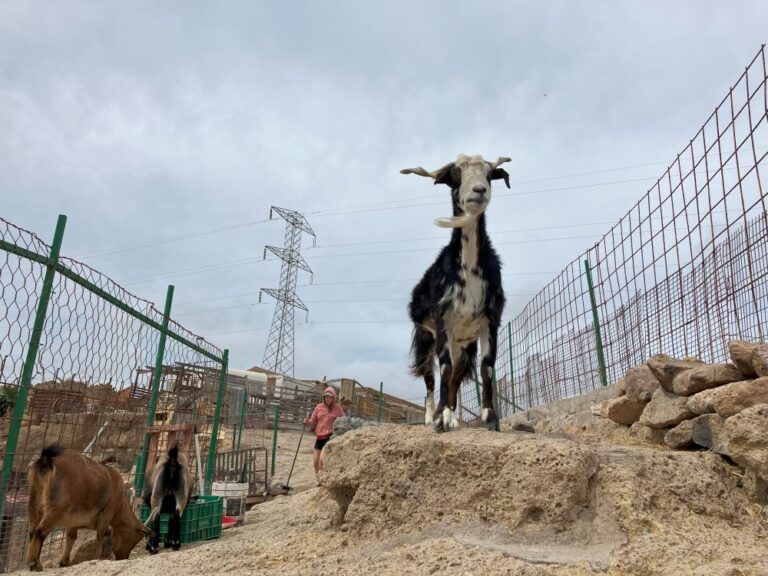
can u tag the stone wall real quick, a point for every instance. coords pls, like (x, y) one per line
(685, 404)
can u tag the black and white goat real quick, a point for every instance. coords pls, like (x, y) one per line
(167, 492)
(460, 299)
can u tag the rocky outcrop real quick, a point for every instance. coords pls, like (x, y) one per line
(760, 360)
(733, 398)
(640, 383)
(665, 368)
(741, 355)
(704, 377)
(624, 410)
(681, 436)
(665, 410)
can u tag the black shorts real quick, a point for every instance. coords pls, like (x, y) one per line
(321, 442)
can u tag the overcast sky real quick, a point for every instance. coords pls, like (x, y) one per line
(145, 121)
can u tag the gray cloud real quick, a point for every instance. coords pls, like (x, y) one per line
(143, 122)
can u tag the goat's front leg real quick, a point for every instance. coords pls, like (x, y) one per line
(446, 371)
(71, 538)
(450, 376)
(106, 548)
(153, 542)
(487, 368)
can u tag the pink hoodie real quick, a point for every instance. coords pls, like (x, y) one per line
(324, 417)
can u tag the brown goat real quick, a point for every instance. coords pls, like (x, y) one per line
(71, 491)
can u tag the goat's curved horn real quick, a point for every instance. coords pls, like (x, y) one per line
(419, 171)
(499, 162)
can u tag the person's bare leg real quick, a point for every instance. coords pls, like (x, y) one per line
(316, 461)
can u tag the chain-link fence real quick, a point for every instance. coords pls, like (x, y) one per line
(91, 366)
(683, 272)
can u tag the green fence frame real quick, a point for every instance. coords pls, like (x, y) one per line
(53, 267)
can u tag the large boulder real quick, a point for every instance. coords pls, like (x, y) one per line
(733, 398)
(621, 387)
(760, 360)
(665, 368)
(640, 383)
(747, 438)
(624, 410)
(681, 436)
(665, 410)
(705, 377)
(708, 432)
(741, 355)
(700, 403)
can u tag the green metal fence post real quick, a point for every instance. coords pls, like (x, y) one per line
(157, 374)
(511, 368)
(596, 323)
(381, 397)
(274, 439)
(29, 362)
(216, 418)
(242, 416)
(477, 391)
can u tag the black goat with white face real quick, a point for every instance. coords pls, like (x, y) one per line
(459, 300)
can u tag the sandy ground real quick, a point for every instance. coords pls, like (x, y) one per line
(403, 500)
(303, 476)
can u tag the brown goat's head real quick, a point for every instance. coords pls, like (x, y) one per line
(469, 179)
(127, 531)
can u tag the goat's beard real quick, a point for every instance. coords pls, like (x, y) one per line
(460, 221)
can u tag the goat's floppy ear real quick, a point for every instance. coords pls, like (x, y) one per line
(499, 174)
(444, 175)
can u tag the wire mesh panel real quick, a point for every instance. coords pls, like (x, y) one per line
(91, 384)
(682, 272)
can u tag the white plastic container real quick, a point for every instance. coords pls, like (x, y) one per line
(235, 495)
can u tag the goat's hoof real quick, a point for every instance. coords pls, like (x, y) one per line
(176, 545)
(437, 424)
(36, 566)
(63, 563)
(490, 420)
(167, 544)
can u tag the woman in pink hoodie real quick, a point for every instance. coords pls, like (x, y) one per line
(323, 417)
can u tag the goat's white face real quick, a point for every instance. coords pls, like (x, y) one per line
(474, 192)
(470, 180)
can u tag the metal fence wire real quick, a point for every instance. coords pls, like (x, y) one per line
(682, 272)
(89, 365)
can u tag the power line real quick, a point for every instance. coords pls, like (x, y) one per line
(344, 282)
(250, 260)
(520, 183)
(314, 323)
(409, 250)
(204, 268)
(171, 239)
(344, 301)
(444, 237)
(349, 211)
(360, 208)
